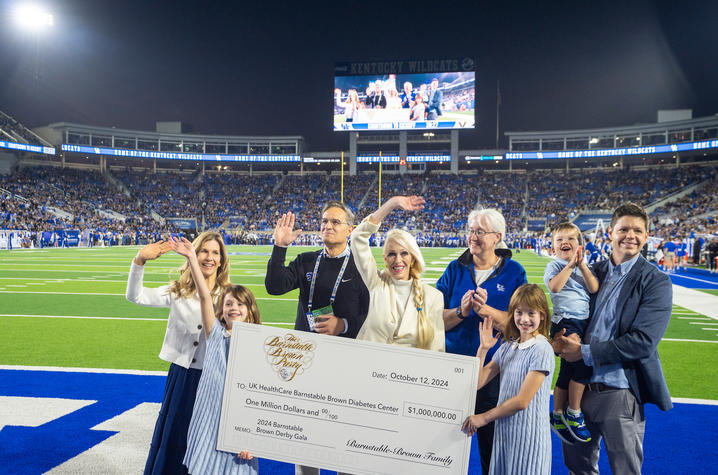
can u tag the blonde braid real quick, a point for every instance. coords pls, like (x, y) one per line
(425, 330)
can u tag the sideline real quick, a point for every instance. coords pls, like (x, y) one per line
(701, 302)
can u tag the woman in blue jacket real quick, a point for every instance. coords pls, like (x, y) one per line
(477, 285)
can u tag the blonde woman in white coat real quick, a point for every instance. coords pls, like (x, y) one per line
(403, 310)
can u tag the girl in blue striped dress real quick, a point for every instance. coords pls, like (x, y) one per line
(237, 305)
(522, 436)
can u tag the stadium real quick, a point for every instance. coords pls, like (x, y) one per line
(80, 377)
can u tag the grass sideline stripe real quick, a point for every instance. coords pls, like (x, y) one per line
(79, 317)
(685, 340)
(85, 317)
(106, 294)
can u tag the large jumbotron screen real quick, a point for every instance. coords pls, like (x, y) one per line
(405, 95)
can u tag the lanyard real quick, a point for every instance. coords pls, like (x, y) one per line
(336, 284)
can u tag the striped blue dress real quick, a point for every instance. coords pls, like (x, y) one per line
(522, 442)
(202, 456)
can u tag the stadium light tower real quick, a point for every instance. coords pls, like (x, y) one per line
(33, 17)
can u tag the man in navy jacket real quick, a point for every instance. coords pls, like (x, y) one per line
(629, 315)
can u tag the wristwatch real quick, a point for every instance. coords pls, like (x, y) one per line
(459, 314)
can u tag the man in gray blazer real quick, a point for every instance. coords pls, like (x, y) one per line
(629, 315)
(436, 97)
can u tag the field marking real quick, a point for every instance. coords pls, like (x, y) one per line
(700, 302)
(685, 340)
(684, 400)
(692, 278)
(61, 281)
(697, 317)
(702, 323)
(64, 369)
(103, 294)
(86, 317)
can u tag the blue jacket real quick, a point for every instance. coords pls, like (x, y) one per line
(458, 277)
(644, 310)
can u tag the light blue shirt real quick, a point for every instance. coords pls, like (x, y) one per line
(604, 324)
(572, 300)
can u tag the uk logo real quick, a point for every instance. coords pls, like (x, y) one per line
(309, 276)
(500, 288)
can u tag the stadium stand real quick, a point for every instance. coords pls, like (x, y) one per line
(133, 201)
(43, 198)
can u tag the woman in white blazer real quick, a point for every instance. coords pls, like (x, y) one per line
(184, 343)
(403, 310)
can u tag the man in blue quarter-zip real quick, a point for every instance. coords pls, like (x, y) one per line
(477, 285)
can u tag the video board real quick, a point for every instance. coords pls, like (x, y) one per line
(405, 95)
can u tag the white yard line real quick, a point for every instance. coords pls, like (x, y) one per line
(685, 340)
(141, 319)
(98, 293)
(701, 302)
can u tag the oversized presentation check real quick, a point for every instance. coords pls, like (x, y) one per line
(346, 405)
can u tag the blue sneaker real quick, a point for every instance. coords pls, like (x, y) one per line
(558, 426)
(577, 427)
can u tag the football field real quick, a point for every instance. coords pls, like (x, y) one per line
(80, 359)
(66, 307)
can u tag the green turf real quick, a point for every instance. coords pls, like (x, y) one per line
(91, 283)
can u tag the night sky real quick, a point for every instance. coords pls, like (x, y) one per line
(266, 68)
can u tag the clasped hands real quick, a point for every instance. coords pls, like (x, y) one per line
(473, 300)
(567, 347)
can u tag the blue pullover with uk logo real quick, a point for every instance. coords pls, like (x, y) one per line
(458, 277)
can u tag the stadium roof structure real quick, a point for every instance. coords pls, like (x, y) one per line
(60, 132)
(660, 133)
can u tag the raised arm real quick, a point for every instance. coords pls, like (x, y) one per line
(280, 279)
(488, 340)
(407, 203)
(135, 292)
(588, 277)
(184, 248)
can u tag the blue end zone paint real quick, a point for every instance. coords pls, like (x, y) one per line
(694, 278)
(38, 449)
(671, 437)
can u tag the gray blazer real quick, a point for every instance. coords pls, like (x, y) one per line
(644, 309)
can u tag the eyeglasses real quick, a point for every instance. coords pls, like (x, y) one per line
(480, 232)
(334, 222)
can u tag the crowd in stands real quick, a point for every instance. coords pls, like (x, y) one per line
(246, 207)
(46, 199)
(696, 211)
(559, 197)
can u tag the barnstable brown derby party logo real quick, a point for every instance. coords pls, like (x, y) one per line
(289, 356)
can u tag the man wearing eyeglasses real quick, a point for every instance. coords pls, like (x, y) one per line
(333, 299)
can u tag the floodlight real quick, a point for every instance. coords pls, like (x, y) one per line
(33, 17)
